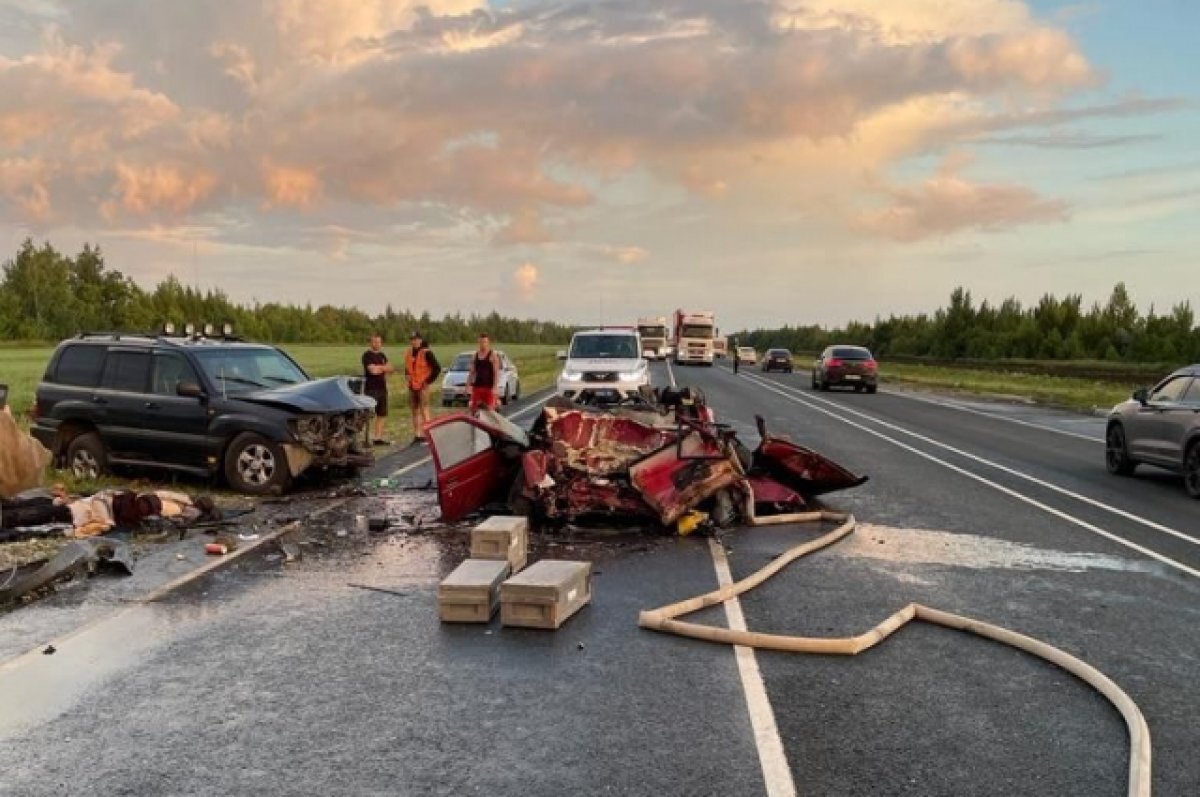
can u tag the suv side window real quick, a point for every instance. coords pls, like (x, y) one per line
(126, 371)
(1171, 390)
(169, 371)
(1192, 396)
(79, 366)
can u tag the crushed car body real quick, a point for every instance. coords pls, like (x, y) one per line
(640, 461)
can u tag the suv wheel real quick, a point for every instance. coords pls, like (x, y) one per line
(255, 465)
(86, 457)
(1116, 453)
(1191, 470)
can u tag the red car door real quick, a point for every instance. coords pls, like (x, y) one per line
(471, 473)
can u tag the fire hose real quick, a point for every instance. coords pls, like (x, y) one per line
(665, 619)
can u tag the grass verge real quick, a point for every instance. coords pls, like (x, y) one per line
(1076, 393)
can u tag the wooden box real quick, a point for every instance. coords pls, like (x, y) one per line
(471, 593)
(504, 538)
(546, 594)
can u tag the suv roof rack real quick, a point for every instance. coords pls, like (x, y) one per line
(113, 335)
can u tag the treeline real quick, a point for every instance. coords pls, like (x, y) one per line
(46, 296)
(1052, 329)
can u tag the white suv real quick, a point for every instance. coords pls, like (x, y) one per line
(607, 363)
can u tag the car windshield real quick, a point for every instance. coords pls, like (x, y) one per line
(608, 347)
(696, 331)
(652, 332)
(851, 353)
(745, 350)
(239, 371)
(462, 362)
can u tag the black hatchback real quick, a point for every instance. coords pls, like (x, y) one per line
(777, 360)
(849, 366)
(195, 404)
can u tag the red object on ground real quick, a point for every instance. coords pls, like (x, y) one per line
(216, 549)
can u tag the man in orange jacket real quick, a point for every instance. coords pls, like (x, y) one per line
(422, 368)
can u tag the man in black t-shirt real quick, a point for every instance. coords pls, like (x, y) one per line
(376, 369)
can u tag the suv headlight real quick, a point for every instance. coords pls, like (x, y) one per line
(572, 376)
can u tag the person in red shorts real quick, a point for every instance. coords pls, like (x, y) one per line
(484, 372)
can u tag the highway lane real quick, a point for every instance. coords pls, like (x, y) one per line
(931, 712)
(287, 680)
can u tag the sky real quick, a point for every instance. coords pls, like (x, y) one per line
(777, 161)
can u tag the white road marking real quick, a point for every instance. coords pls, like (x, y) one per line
(424, 460)
(771, 757)
(983, 480)
(1011, 471)
(962, 408)
(670, 372)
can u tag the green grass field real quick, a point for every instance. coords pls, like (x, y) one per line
(1062, 391)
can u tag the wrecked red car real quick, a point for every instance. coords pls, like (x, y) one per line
(648, 463)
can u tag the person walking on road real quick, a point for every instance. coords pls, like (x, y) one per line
(376, 369)
(483, 376)
(421, 367)
(737, 360)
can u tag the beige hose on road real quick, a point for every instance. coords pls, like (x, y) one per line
(664, 619)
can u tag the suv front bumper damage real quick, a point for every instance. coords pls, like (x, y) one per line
(337, 439)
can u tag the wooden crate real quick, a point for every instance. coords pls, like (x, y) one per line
(546, 594)
(471, 594)
(505, 538)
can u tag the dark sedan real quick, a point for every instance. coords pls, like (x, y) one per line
(1159, 426)
(845, 366)
(777, 360)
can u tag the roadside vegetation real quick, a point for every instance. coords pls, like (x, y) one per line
(1071, 392)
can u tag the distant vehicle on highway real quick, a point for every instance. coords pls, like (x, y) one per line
(454, 383)
(851, 366)
(604, 364)
(746, 355)
(1159, 426)
(778, 360)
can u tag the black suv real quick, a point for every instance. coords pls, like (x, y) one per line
(197, 404)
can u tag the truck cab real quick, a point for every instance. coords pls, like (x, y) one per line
(695, 331)
(655, 339)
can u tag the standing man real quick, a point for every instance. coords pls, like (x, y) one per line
(733, 344)
(376, 369)
(483, 376)
(422, 368)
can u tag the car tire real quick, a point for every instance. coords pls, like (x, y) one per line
(824, 386)
(86, 456)
(1191, 470)
(1116, 452)
(872, 388)
(517, 392)
(256, 466)
(814, 383)
(858, 388)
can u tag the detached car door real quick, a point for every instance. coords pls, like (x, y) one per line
(470, 471)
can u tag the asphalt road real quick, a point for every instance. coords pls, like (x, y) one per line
(288, 679)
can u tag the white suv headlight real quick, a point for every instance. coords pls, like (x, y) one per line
(572, 376)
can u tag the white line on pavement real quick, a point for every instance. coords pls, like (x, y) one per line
(670, 372)
(1005, 469)
(983, 480)
(771, 756)
(962, 408)
(523, 411)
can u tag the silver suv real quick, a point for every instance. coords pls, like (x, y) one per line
(1159, 426)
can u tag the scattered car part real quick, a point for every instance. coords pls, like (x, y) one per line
(80, 557)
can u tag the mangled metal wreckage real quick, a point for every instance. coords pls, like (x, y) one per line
(651, 462)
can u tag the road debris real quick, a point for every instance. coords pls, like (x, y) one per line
(471, 593)
(503, 538)
(78, 558)
(642, 462)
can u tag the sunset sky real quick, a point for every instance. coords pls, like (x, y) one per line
(775, 160)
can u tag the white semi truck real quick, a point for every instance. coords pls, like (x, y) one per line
(694, 331)
(653, 332)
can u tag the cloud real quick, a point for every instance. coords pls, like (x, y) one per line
(525, 227)
(290, 186)
(1071, 140)
(526, 279)
(948, 203)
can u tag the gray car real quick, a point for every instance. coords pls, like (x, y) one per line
(1159, 426)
